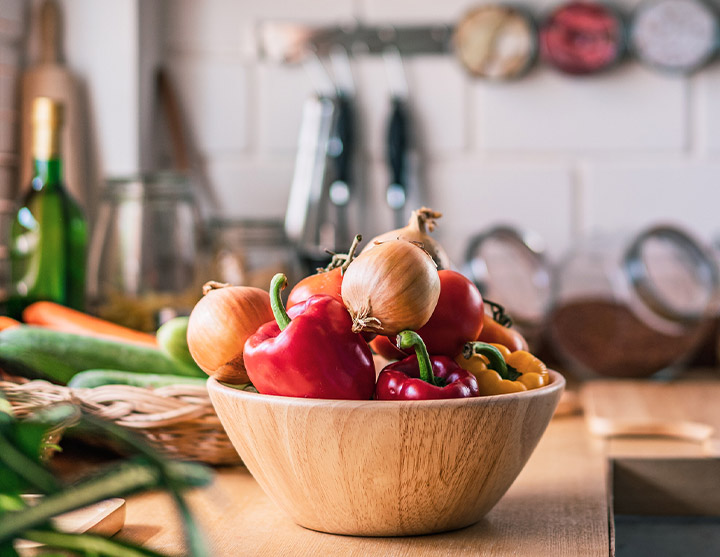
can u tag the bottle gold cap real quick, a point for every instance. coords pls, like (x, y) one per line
(47, 111)
(47, 119)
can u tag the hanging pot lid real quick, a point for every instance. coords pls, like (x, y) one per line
(674, 35)
(509, 267)
(496, 42)
(582, 37)
(672, 273)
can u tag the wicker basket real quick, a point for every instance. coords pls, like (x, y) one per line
(178, 420)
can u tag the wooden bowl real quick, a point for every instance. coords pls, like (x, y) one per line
(385, 468)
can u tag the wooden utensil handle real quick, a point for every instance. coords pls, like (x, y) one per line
(691, 431)
(171, 108)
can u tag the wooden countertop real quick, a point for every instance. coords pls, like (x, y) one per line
(557, 506)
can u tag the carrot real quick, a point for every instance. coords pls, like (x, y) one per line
(8, 322)
(61, 318)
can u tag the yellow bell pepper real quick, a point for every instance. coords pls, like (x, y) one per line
(500, 371)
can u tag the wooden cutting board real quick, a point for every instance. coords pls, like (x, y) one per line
(684, 409)
(104, 518)
(51, 78)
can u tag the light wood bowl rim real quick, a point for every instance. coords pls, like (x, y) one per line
(557, 383)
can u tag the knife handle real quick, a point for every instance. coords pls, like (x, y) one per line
(342, 141)
(398, 142)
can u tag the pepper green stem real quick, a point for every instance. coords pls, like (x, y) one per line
(410, 339)
(278, 283)
(495, 359)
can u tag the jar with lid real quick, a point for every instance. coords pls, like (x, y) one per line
(250, 252)
(144, 260)
(633, 307)
(510, 268)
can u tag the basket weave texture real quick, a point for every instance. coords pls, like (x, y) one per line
(178, 420)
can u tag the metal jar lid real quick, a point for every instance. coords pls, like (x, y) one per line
(496, 42)
(582, 37)
(674, 35)
(509, 267)
(672, 273)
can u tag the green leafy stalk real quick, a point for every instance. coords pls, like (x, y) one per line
(195, 541)
(175, 476)
(127, 478)
(87, 543)
(26, 468)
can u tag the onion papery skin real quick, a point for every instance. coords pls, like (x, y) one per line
(391, 288)
(421, 223)
(219, 325)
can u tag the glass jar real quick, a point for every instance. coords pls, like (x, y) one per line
(633, 308)
(144, 254)
(509, 267)
(251, 252)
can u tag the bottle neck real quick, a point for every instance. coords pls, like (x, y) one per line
(47, 172)
(47, 165)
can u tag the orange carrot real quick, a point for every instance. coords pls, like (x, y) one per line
(8, 322)
(61, 318)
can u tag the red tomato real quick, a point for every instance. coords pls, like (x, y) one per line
(457, 319)
(328, 282)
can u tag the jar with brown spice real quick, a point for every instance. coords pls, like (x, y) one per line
(633, 307)
(510, 268)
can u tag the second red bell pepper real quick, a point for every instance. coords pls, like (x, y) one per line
(309, 351)
(421, 377)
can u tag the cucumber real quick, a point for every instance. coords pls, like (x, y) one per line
(172, 339)
(98, 377)
(39, 352)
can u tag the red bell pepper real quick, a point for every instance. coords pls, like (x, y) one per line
(310, 352)
(421, 377)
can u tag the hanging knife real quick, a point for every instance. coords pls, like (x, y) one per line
(397, 157)
(340, 149)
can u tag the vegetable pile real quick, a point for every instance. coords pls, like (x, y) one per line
(396, 300)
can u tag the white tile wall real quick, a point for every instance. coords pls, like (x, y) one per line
(11, 16)
(410, 11)
(252, 188)
(438, 103)
(475, 195)
(630, 108)
(210, 26)
(214, 95)
(281, 94)
(563, 156)
(632, 195)
(708, 110)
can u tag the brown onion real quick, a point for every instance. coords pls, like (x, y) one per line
(421, 223)
(219, 325)
(393, 287)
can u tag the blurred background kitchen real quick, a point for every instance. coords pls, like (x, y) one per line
(527, 172)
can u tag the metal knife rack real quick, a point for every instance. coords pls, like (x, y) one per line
(294, 42)
(317, 221)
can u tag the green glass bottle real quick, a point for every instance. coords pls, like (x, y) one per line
(48, 239)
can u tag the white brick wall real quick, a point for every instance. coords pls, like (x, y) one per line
(563, 156)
